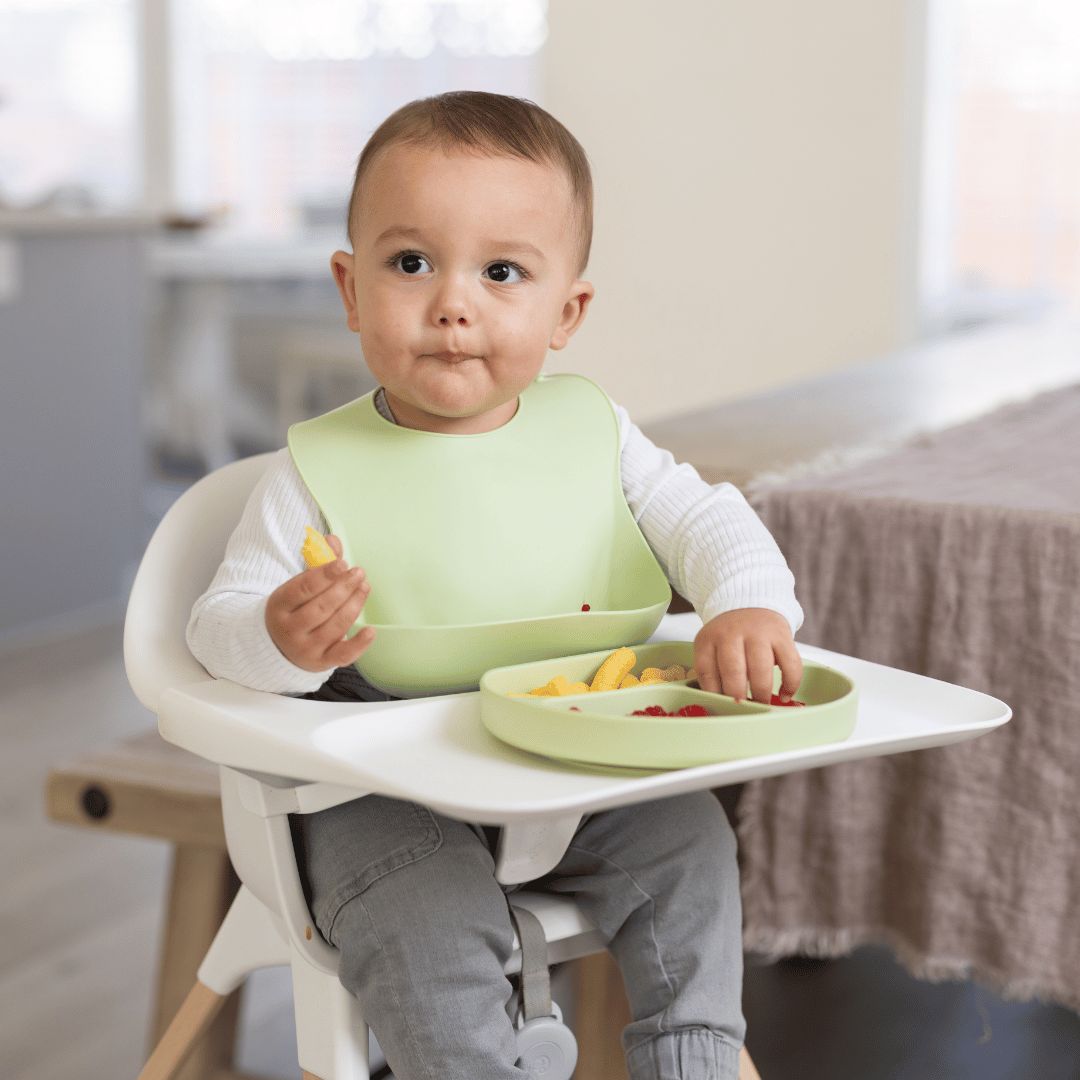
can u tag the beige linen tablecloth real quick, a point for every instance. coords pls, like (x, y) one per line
(957, 557)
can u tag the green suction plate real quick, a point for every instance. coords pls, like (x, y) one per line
(596, 728)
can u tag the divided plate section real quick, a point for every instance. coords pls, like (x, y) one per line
(597, 728)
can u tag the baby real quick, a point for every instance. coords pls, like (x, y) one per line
(470, 223)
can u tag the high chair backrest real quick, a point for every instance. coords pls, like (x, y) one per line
(179, 562)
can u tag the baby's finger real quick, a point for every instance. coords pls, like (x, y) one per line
(732, 660)
(759, 663)
(312, 615)
(348, 652)
(787, 656)
(334, 544)
(708, 673)
(305, 587)
(340, 621)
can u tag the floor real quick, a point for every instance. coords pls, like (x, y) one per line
(862, 1017)
(80, 912)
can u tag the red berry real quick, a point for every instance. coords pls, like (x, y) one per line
(584, 607)
(659, 710)
(692, 710)
(787, 704)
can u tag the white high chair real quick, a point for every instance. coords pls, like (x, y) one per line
(281, 756)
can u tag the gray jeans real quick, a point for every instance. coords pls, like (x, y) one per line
(410, 899)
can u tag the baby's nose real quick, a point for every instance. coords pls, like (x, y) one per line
(461, 320)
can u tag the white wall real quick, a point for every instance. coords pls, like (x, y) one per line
(756, 167)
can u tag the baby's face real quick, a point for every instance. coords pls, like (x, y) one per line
(463, 275)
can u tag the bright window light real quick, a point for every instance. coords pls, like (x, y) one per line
(275, 98)
(1002, 198)
(68, 137)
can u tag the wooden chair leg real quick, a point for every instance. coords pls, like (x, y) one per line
(188, 1025)
(747, 1071)
(203, 886)
(601, 1011)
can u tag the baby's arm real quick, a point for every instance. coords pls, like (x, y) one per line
(228, 632)
(719, 555)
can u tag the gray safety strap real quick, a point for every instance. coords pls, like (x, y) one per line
(535, 979)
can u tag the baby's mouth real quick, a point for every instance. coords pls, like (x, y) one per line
(454, 357)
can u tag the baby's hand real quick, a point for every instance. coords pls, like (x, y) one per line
(743, 645)
(309, 615)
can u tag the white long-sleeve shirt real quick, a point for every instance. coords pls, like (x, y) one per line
(711, 544)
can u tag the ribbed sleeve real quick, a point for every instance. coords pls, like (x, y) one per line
(227, 632)
(711, 544)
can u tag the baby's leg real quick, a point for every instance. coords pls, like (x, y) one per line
(660, 881)
(410, 899)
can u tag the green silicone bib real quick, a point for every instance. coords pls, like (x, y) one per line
(481, 550)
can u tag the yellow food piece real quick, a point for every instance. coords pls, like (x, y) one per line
(613, 674)
(613, 670)
(316, 551)
(556, 688)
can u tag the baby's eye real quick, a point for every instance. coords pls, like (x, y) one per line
(504, 272)
(411, 263)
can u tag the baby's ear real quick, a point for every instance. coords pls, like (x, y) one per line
(573, 314)
(343, 266)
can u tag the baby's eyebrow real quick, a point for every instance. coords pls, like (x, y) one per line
(503, 247)
(517, 247)
(395, 231)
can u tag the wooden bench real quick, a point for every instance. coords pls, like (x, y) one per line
(146, 786)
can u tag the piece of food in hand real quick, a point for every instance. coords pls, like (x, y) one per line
(628, 681)
(613, 670)
(316, 551)
(792, 704)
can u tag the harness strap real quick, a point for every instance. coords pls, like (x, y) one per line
(535, 978)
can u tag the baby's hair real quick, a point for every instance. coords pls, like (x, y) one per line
(488, 124)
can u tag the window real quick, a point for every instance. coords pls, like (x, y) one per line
(1002, 178)
(275, 98)
(68, 120)
(271, 100)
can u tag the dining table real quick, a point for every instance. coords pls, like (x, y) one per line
(956, 555)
